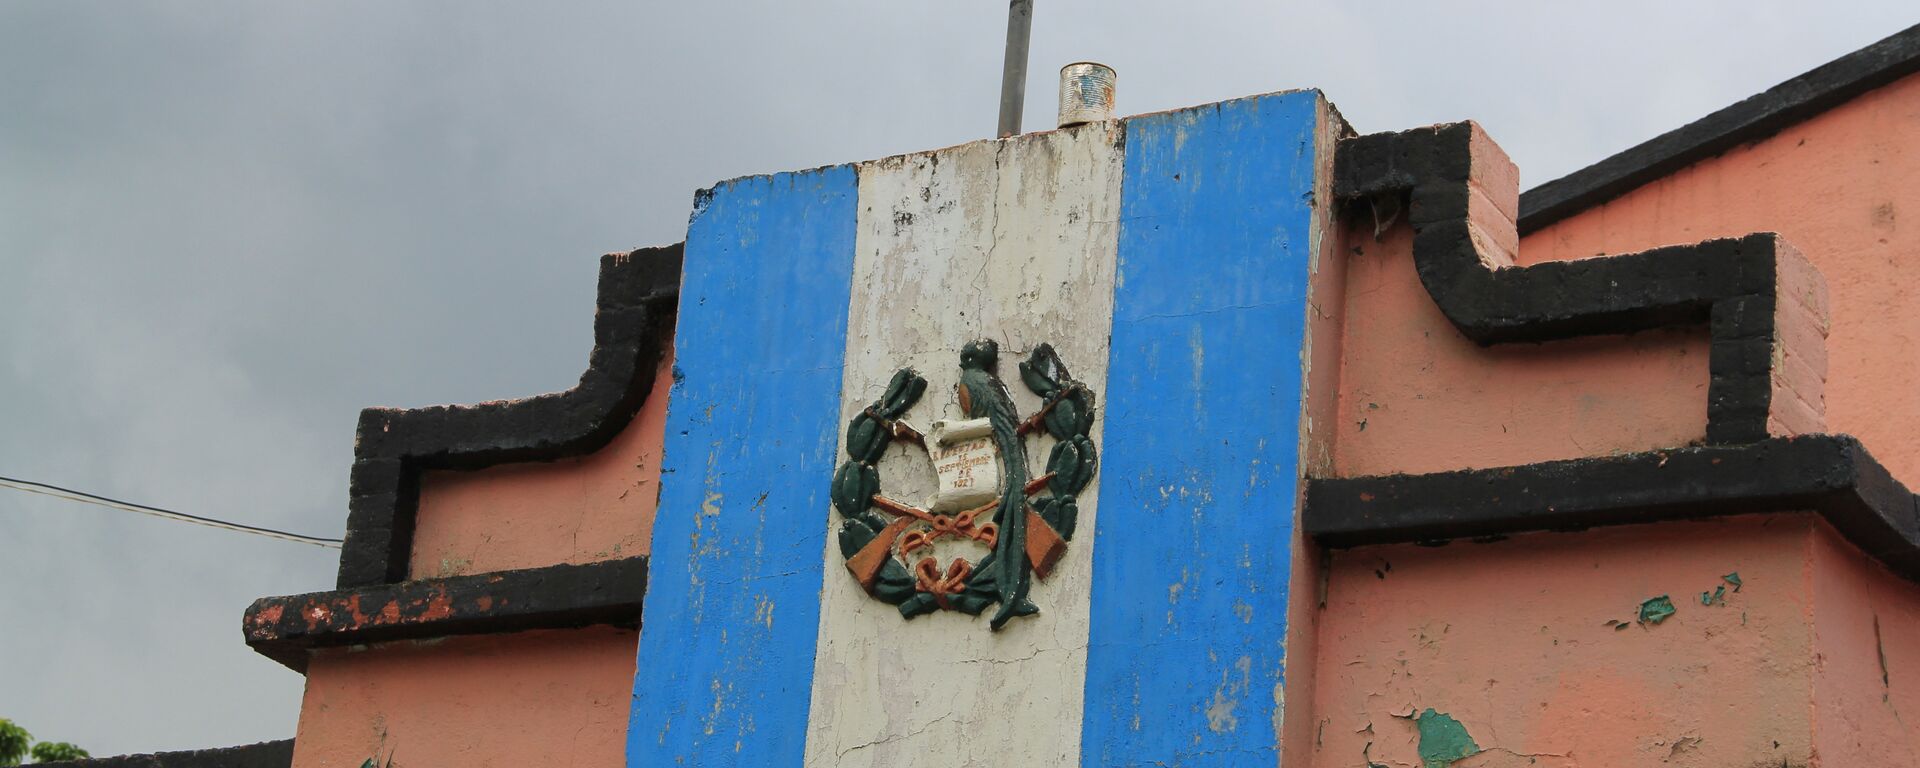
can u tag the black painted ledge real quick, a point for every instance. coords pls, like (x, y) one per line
(266, 754)
(287, 629)
(1735, 287)
(1832, 475)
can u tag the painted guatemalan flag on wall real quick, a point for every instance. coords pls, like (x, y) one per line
(990, 454)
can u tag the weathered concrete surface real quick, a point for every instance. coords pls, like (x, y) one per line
(733, 612)
(1191, 564)
(1321, 360)
(537, 698)
(595, 507)
(1866, 659)
(1535, 646)
(1012, 240)
(1786, 645)
(1840, 187)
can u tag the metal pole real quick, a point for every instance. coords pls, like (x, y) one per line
(1013, 77)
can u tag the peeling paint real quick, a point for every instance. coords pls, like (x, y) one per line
(1443, 740)
(1203, 436)
(763, 299)
(1656, 609)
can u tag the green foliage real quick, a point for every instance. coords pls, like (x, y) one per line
(49, 751)
(14, 742)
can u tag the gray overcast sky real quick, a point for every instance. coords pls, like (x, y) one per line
(226, 226)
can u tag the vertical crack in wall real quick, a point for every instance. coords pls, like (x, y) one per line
(1880, 647)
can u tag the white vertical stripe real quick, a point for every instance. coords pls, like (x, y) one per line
(1013, 240)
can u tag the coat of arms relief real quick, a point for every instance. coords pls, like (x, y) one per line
(987, 496)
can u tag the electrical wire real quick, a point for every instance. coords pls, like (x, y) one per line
(83, 497)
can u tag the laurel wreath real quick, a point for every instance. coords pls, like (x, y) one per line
(1066, 413)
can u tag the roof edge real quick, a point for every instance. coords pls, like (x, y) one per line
(1750, 119)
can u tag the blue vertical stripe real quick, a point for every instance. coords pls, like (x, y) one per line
(1201, 459)
(733, 604)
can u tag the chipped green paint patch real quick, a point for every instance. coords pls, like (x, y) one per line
(1443, 740)
(1717, 596)
(1656, 609)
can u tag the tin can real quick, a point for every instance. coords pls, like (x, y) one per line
(1086, 93)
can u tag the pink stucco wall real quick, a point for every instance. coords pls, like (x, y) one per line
(551, 698)
(1841, 187)
(594, 507)
(1866, 659)
(1838, 187)
(1417, 396)
(555, 698)
(1521, 642)
(1812, 662)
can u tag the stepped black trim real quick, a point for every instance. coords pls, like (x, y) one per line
(285, 629)
(1832, 475)
(638, 294)
(266, 754)
(1728, 284)
(1753, 119)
